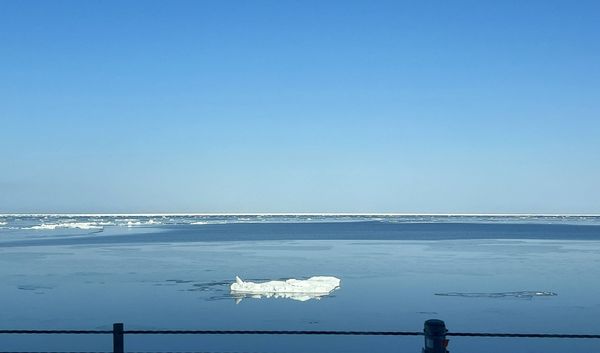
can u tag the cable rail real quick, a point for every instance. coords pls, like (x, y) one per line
(300, 332)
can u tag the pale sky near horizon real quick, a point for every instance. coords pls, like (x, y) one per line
(300, 106)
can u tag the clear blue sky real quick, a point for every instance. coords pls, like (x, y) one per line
(300, 106)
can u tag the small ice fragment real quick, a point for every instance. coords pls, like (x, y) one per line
(521, 294)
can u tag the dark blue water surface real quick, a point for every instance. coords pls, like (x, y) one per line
(362, 230)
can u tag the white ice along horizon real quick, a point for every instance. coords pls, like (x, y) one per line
(296, 289)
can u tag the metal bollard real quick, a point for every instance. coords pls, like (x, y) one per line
(118, 339)
(435, 336)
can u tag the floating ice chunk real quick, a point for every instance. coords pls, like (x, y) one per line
(296, 289)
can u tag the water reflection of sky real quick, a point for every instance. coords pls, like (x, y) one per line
(388, 285)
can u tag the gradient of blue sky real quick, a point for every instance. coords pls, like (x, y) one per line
(279, 106)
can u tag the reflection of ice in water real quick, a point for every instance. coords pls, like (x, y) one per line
(302, 297)
(301, 290)
(521, 294)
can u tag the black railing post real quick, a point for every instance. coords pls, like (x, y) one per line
(118, 341)
(435, 336)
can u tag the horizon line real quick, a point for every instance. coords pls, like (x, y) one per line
(304, 214)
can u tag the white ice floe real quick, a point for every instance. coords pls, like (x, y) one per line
(134, 223)
(302, 290)
(53, 226)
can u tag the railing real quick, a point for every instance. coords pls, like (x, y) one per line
(434, 332)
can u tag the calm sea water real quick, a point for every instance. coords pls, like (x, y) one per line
(478, 273)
